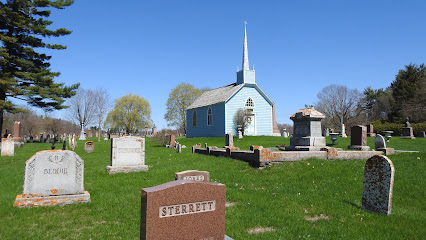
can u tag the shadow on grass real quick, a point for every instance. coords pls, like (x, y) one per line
(352, 204)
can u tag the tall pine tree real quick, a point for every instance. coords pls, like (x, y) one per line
(24, 70)
(409, 92)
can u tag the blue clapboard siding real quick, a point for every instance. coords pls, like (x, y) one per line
(262, 110)
(217, 129)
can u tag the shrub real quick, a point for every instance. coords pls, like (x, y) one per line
(379, 127)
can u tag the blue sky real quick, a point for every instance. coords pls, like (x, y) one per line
(297, 47)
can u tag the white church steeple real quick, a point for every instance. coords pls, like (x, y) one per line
(245, 75)
(245, 50)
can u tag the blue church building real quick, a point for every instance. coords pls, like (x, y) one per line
(213, 113)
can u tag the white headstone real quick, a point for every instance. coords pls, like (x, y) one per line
(53, 173)
(7, 146)
(378, 185)
(127, 155)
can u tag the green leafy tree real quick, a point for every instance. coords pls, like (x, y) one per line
(377, 103)
(179, 100)
(130, 113)
(24, 69)
(409, 93)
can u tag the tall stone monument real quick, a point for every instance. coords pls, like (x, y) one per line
(82, 136)
(17, 132)
(52, 178)
(127, 155)
(307, 131)
(378, 185)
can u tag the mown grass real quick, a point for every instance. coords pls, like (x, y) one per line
(279, 198)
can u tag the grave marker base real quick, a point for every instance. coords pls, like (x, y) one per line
(126, 169)
(50, 201)
(359, 147)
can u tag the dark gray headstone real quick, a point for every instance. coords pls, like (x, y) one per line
(379, 142)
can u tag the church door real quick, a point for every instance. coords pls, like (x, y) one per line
(251, 126)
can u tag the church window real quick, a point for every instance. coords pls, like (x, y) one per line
(249, 103)
(194, 118)
(209, 117)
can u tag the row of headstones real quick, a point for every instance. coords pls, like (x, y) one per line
(174, 209)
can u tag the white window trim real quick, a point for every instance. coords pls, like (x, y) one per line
(245, 102)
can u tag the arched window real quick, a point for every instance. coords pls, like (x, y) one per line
(209, 117)
(249, 103)
(194, 118)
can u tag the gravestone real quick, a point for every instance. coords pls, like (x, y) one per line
(172, 141)
(378, 185)
(407, 131)
(307, 132)
(343, 131)
(31, 139)
(370, 130)
(7, 146)
(229, 140)
(379, 142)
(17, 132)
(82, 135)
(154, 130)
(193, 175)
(127, 155)
(179, 148)
(89, 147)
(52, 178)
(359, 138)
(421, 134)
(183, 210)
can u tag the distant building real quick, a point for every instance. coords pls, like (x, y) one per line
(213, 113)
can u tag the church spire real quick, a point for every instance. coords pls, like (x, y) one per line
(245, 75)
(245, 50)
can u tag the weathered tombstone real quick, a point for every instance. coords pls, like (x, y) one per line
(82, 135)
(326, 132)
(89, 147)
(17, 131)
(359, 138)
(378, 185)
(127, 155)
(379, 142)
(229, 140)
(172, 141)
(193, 175)
(240, 134)
(7, 146)
(307, 133)
(183, 210)
(179, 148)
(52, 178)
(421, 134)
(89, 133)
(370, 130)
(154, 130)
(31, 139)
(343, 131)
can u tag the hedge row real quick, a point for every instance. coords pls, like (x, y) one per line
(379, 127)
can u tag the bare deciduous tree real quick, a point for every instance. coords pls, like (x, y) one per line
(102, 104)
(82, 110)
(340, 105)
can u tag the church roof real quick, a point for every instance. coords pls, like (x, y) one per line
(218, 95)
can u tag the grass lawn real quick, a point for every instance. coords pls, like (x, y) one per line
(313, 198)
